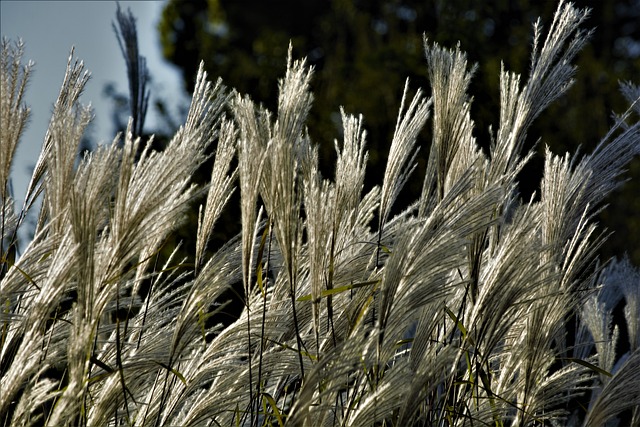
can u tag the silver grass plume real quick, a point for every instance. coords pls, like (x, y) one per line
(343, 323)
(318, 198)
(400, 165)
(15, 114)
(452, 125)
(622, 392)
(282, 188)
(220, 187)
(54, 168)
(624, 278)
(550, 76)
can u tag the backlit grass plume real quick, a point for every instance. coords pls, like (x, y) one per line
(468, 307)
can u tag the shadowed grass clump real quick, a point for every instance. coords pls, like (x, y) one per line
(468, 307)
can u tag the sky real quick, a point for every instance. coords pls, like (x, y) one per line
(49, 29)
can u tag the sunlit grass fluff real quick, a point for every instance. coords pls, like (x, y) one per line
(469, 307)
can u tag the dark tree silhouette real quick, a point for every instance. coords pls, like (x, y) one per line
(370, 47)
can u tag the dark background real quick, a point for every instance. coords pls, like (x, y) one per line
(363, 51)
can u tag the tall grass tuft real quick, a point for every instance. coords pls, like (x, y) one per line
(469, 307)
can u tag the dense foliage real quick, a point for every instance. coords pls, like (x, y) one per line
(467, 306)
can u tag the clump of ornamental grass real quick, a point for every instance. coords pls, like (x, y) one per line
(469, 307)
